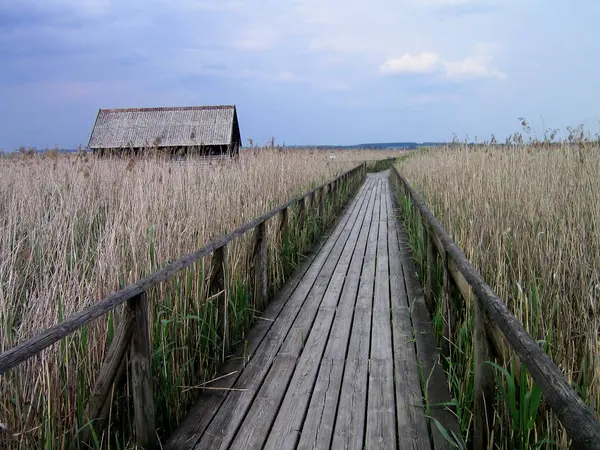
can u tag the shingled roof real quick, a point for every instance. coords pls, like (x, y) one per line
(165, 127)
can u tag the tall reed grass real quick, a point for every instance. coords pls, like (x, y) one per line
(75, 229)
(528, 218)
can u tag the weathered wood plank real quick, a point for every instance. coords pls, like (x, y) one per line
(340, 297)
(217, 287)
(322, 193)
(107, 378)
(190, 430)
(410, 409)
(301, 214)
(317, 429)
(283, 225)
(252, 433)
(483, 389)
(114, 358)
(141, 375)
(381, 409)
(431, 263)
(288, 420)
(349, 426)
(299, 317)
(427, 351)
(260, 267)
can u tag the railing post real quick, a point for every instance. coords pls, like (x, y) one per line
(217, 290)
(301, 208)
(429, 289)
(448, 303)
(260, 264)
(334, 192)
(283, 226)
(484, 382)
(141, 375)
(108, 378)
(322, 203)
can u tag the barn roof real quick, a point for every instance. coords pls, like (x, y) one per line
(165, 127)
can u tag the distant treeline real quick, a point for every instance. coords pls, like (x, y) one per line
(368, 146)
(371, 146)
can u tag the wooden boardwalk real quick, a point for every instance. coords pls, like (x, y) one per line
(334, 361)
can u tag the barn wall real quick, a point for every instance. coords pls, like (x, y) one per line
(205, 150)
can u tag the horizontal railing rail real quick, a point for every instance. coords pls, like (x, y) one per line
(134, 330)
(578, 419)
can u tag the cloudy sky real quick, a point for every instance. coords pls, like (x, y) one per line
(303, 71)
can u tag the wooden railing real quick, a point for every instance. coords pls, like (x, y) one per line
(490, 311)
(133, 332)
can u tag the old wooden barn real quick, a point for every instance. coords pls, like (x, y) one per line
(178, 131)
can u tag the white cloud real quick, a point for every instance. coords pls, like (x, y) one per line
(426, 62)
(477, 65)
(471, 67)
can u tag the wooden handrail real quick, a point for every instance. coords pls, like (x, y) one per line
(45, 339)
(133, 333)
(578, 419)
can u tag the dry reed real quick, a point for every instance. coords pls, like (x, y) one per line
(528, 218)
(75, 229)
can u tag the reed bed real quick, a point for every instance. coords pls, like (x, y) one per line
(74, 229)
(528, 218)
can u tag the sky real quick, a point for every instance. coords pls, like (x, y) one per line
(303, 71)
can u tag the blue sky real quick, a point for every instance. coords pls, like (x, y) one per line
(303, 71)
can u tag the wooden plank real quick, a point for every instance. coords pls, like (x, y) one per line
(337, 305)
(410, 411)
(260, 267)
(232, 413)
(381, 411)
(381, 408)
(484, 384)
(349, 426)
(217, 286)
(190, 431)
(107, 378)
(283, 226)
(431, 263)
(298, 332)
(427, 352)
(141, 376)
(252, 434)
(195, 424)
(578, 419)
(289, 418)
(45, 339)
(317, 429)
(301, 205)
(322, 202)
